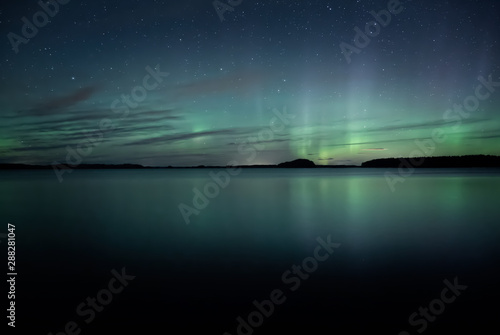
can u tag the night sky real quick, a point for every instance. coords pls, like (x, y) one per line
(168, 83)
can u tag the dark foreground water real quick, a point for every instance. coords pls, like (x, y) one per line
(330, 251)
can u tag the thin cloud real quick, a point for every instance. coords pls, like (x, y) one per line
(69, 100)
(370, 142)
(421, 125)
(238, 81)
(179, 137)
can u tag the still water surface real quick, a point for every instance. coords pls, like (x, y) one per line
(396, 248)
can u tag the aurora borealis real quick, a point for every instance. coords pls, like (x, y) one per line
(88, 76)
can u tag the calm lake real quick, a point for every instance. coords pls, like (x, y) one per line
(274, 250)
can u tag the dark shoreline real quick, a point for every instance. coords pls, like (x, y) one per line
(472, 161)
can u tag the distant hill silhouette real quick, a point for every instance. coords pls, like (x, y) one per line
(82, 166)
(298, 163)
(426, 162)
(437, 162)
